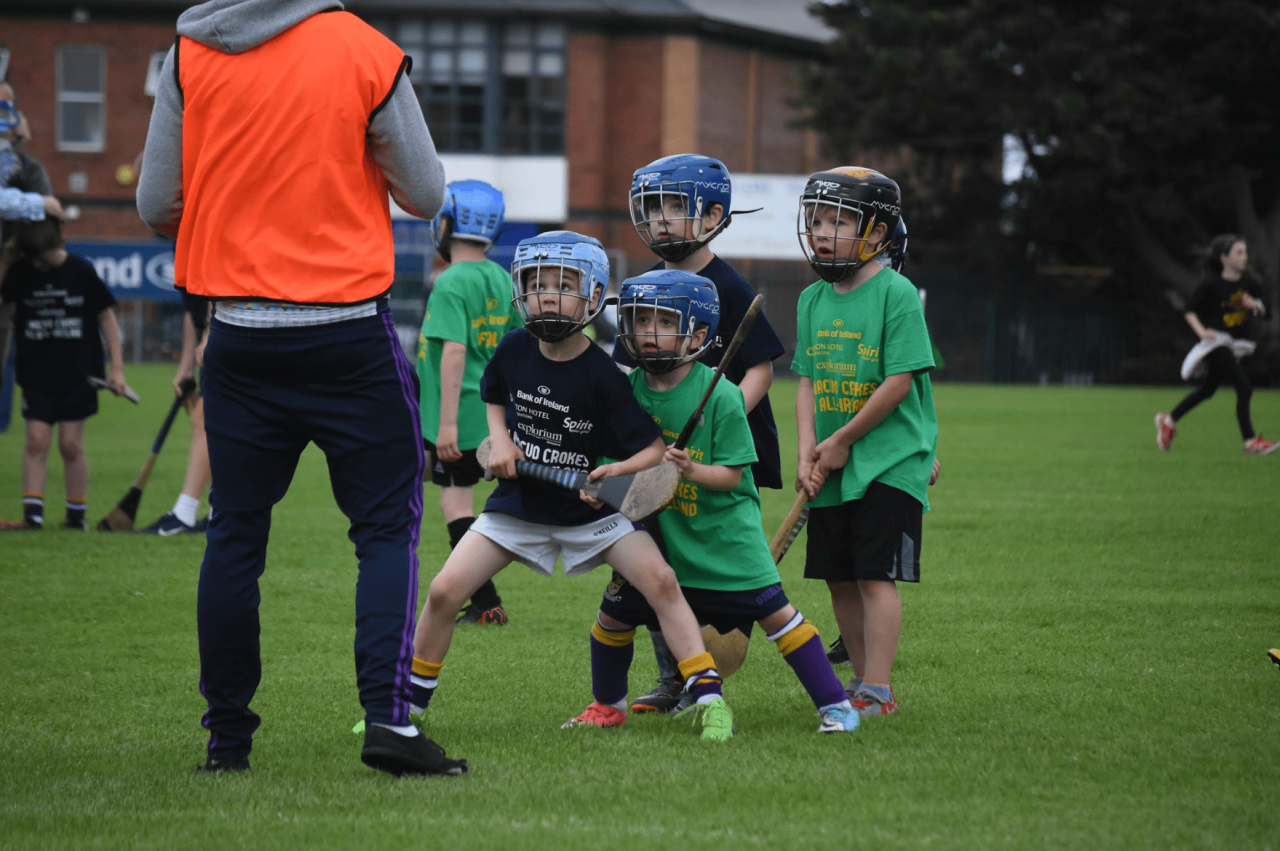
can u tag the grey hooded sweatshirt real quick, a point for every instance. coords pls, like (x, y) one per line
(401, 143)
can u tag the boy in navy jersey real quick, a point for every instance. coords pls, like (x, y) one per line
(555, 398)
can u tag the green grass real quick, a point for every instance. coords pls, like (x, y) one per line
(1083, 666)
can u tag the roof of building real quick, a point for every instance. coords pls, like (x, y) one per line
(783, 22)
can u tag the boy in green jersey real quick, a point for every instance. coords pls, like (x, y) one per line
(713, 528)
(866, 423)
(468, 311)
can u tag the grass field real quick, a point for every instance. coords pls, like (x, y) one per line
(1083, 666)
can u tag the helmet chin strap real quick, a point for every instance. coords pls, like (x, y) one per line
(551, 327)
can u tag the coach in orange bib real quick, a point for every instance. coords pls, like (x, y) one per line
(279, 129)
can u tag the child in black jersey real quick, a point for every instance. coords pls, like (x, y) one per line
(555, 398)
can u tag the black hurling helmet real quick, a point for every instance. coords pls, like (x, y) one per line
(866, 198)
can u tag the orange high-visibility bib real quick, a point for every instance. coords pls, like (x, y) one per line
(281, 196)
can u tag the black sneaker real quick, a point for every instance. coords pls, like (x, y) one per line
(167, 525)
(495, 615)
(387, 750)
(19, 526)
(664, 697)
(212, 766)
(80, 525)
(837, 653)
(202, 525)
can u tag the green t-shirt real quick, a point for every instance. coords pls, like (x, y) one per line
(847, 344)
(470, 303)
(715, 539)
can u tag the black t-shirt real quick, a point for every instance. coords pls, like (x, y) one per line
(56, 323)
(762, 344)
(564, 414)
(1217, 303)
(198, 307)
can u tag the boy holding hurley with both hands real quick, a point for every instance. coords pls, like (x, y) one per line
(867, 429)
(713, 528)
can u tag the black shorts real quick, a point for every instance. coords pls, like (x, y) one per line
(724, 610)
(463, 473)
(67, 405)
(876, 537)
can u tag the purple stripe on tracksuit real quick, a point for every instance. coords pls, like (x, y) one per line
(409, 387)
(348, 388)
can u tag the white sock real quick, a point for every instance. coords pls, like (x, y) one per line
(185, 509)
(407, 730)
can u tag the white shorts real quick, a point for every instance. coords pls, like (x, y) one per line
(581, 547)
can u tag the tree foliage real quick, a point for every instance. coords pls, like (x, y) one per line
(1150, 125)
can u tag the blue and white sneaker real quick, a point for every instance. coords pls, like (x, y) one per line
(168, 525)
(838, 718)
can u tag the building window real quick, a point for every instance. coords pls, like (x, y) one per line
(487, 87)
(82, 87)
(533, 89)
(152, 85)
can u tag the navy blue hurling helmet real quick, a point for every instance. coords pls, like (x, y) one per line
(658, 314)
(563, 305)
(670, 196)
(895, 256)
(474, 211)
(839, 210)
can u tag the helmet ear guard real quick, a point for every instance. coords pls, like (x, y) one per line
(560, 251)
(691, 300)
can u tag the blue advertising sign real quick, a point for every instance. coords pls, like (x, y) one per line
(144, 270)
(132, 270)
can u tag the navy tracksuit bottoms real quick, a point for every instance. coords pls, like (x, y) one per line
(268, 392)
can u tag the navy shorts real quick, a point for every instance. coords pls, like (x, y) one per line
(463, 473)
(876, 537)
(724, 610)
(68, 405)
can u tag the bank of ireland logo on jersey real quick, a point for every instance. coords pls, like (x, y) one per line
(491, 304)
(544, 389)
(837, 323)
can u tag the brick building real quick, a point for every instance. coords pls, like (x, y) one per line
(557, 102)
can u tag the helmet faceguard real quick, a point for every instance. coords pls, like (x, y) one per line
(659, 314)
(839, 212)
(670, 197)
(564, 304)
(472, 210)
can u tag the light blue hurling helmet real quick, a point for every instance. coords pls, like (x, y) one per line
(670, 196)
(691, 297)
(474, 210)
(542, 259)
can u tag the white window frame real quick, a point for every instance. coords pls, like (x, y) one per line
(100, 97)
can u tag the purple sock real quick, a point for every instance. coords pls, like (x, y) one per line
(803, 650)
(611, 654)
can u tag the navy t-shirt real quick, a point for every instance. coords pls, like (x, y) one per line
(56, 323)
(564, 414)
(762, 344)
